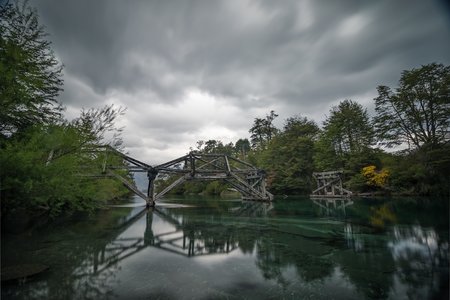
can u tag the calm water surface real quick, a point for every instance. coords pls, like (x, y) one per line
(209, 248)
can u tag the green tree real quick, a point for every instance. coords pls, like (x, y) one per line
(30, 74)
(44, 168)
(346, 138)
(288, 158)
(418, 114)
(418, 111)
(263, 130)
(241, 148)
(214, 146)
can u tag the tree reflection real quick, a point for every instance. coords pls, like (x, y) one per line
(73, 260)
(422, 260)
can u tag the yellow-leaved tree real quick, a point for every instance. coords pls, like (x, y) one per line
(375, 177)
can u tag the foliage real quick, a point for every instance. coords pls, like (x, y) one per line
(348, 128)
(418, 112)
(215, 146)
(192, 187)
(44, 168)
(30, 74)
(374, 177)
(263, 130)
(419, 172)
(242, 148)
(94, 123)
(214, 188)
(288, 158)
(357, 183)
(44, 158)
(346, 139)
(381, 216)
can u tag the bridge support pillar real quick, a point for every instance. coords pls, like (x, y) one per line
(151, 174)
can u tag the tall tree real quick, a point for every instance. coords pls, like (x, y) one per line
(301, 127)
(347, 134)
(30, 74)
(263, 130)
(289, 157)
(242, 147)
(349, 127)
(418, 111)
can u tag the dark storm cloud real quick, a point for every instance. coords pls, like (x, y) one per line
(294, 56)
(240, 48)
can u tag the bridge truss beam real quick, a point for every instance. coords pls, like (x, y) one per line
(329, 184)
(245, 178)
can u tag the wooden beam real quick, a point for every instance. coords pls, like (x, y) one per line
(171, 186)
(325, 185)
(228, 163)
(243, 162)
(172, 162)
(130, 186)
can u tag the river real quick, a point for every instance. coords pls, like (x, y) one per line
(211, 248)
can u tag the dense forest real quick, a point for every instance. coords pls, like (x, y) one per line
(45, 159)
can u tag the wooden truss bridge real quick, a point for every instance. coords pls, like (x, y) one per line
(244, 177)
(329, 184)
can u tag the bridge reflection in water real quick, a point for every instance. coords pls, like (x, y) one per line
(174, 234)
(332, 206)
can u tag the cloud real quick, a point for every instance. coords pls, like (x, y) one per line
(189, 70)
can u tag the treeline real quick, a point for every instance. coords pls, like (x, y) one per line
(45, 159)
(414, 117)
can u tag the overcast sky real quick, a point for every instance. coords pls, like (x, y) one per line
(198, 70)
